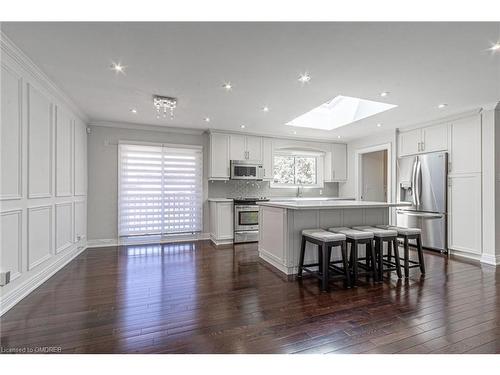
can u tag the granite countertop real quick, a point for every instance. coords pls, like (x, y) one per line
(220, 199)
(314, 204)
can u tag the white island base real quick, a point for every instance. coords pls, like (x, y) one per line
(281, 225)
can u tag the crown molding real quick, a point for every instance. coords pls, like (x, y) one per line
(441, 120)
(10, 49)
(149, 127)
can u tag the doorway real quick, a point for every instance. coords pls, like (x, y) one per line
(373, 176)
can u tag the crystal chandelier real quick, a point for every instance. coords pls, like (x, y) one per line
(164, 104)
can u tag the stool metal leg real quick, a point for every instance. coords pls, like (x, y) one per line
(324, 266)
(301, 260)
(407, 257)
(380, 253)
(420, 255)
(354, 261)
(369, 247)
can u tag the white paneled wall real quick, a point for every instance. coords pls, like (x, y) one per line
(43, 164)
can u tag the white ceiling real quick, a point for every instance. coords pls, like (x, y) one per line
(420, 64)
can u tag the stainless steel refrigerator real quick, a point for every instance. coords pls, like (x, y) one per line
(422, 181)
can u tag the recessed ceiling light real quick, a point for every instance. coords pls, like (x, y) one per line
(304, 78)
(207, 119)
(338, 136)
(242, 126)
(265, 109)
(495, 47)
(379, 125)
(295, 132)
(384, 94)
(443, 105)
(227, 86)
(118, 68)
(133, 110)
(340, 111)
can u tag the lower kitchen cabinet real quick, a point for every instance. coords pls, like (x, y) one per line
(221, 221)
(464, 213)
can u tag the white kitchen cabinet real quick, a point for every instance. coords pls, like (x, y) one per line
(464, 213)
(423, 140)
(219, 157)
(465, 153)
(244, 147)
(221, 221)
(339, 162)
(267, 158)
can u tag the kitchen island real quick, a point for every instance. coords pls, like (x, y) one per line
(281, 224)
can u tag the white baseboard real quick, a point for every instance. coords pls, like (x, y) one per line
(490, 259)
(146, 240)
(15, 296)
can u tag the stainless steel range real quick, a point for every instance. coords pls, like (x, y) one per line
(246, 219)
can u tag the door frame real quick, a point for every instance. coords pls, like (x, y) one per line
(358, 168)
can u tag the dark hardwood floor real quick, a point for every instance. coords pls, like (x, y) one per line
(194, 298)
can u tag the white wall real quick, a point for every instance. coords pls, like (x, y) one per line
(103, 173)
(43, 165)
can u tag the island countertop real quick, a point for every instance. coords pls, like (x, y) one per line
(329, 204)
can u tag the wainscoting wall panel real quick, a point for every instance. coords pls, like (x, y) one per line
(43, 173)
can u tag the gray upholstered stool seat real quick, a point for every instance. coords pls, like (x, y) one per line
(377, 232)
(323, 235)
(352, 233)
(401, 230)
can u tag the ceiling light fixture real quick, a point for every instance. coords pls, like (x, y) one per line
(265, 109)
(133, 110)
(227, 86)
(304, 78)
(207, 119)
(495, 47)
(384, 94)
(379, 125)
(242, 126)
(443, 105)
(118, 68)
(338, 136)
(164, 104)
(295, 132)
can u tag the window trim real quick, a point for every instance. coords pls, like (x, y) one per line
(320, 160)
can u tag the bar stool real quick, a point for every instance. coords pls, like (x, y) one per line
(355, 238)
(381, 236)
(325, 241)
(409, 234)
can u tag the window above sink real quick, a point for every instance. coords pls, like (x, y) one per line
(295, 169)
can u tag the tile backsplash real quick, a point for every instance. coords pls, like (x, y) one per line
(233, 189)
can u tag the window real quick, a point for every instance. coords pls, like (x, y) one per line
(295, 170)
(160, 189)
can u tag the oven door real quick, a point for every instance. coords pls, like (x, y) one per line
(246, 217)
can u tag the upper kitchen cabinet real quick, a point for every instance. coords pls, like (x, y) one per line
(267, 158)
(218, 167)
(244, 147)
(339, 162)
(465, 155)
(422, 140)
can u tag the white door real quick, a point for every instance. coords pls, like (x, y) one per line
(219, 158)
(374, 176)
(237, 147)
(409, 142)
(339, 162)
(435, 138)
(465, 213)
(254, 148)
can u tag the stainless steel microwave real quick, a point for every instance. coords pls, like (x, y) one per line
(246, 170)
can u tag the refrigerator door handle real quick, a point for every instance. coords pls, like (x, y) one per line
(413, 182)
(420, 214)
(418, 183)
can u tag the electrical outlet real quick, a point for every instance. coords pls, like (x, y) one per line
(4, 278)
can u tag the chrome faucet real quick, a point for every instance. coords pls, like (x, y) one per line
(300, 190)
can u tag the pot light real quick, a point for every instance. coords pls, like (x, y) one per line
(265, 109)
(227, 86)
(118, 68)
(379, 125)
(295, 132)
(304, 78)
(340, 111)
(443, 105)
(133, 110)
(207, 119)
(384, 94)
(242, 126)
(495, 47)
(338, 136)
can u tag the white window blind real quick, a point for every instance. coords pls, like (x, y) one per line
(160, 189)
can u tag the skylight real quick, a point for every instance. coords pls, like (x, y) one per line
(340, 111)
